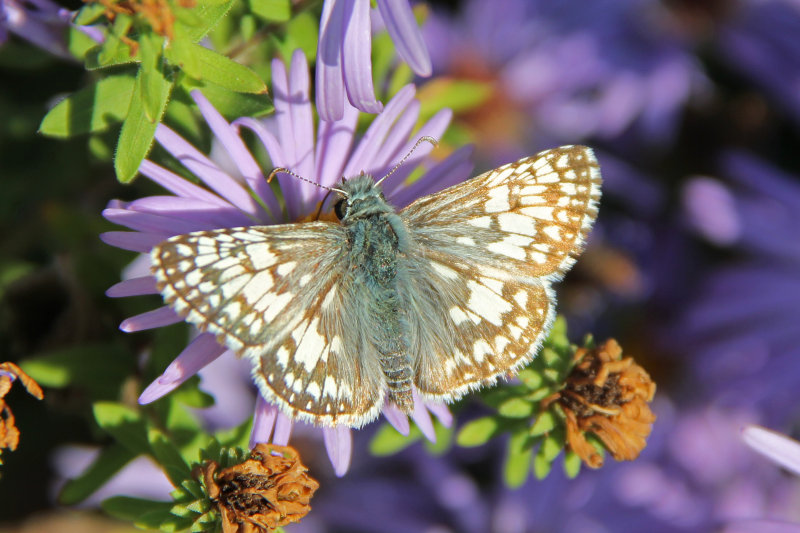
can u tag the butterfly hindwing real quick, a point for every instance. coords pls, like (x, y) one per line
(485, 254)
(273, 294)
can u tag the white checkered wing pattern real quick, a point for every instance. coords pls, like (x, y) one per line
(485, 254)
(273, 295)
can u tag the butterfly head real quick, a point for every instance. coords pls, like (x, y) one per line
(360, 197)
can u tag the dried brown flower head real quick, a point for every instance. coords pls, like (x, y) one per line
(609, 397)
(264, 492)
(9, 372)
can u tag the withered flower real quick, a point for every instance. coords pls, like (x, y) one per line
(267, 491)
(9, 372)
(607, 396)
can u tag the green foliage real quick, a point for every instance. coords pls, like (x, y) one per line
(143, 61)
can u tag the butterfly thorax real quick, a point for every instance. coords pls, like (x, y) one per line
(374, 233)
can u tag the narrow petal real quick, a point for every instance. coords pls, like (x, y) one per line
(263, 421)
(163, 316)
(435, 128)
(132, 240)
(290, 187)
(390, 152)
(190, 209)
(239, 154)
(441, 412)
(200, 352)
(302, 119)
(774, 446)
(208, 171)
(454, 169)
(423, 418)
(339, 444)
(152, 223)
(334, 141)
(133, 287)
(178, 185)
(283, 429)
(370, 144)
(329, 82)
(406, 35)
(396, 418)
(357, 57)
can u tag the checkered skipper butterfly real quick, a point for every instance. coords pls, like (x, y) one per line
(446, 295)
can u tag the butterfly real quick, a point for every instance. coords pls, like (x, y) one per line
(444, 296)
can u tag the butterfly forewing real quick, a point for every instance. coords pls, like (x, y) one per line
(526, 219)
(274, 295)
(486, 252)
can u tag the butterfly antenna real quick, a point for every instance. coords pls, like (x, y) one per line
(278, 170)
(427, 138)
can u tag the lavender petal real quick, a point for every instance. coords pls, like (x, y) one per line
(778, 448)
(152, 223)
(455, 169)
(328, 81)
(283, 430)
(357, 57)
(132, 240)
(339, 444)
(334, 140)
(396, 418)
(177, 185)
(263, 421)
(133, 287)
(200, 352)
(423, 418)
(163, 316)
(406, 35)
(208, 171)
(241, 156)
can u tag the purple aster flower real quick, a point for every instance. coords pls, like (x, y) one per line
(344, 64)
(740, 329)
(224, 200)
(576, 69)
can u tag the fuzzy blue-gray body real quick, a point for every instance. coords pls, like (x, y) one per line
(375, 236)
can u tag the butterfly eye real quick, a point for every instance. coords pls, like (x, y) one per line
(339, 208)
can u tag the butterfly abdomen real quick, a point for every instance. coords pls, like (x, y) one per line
(374, 251)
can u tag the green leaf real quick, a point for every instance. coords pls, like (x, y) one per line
(208, 13)
(444, 439)
(124, 424)
(301, 32)
(478, 432)
(552, 445)
(541, 467)
(99, 56)
(130, 509)
(106, 465)
(271, 10)
(388, 441)
(151, 76)
(91, 109)
(572, 464)
(203, 64)
(100, 368)
(89, 14)
(114, 51)
(233, 105)
(458, 95)
(530, 378)
(545, 423)
(138, 130)
(516, 408)
(168, 457)
(518, 459)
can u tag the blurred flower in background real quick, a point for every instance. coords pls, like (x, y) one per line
(567, 71)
